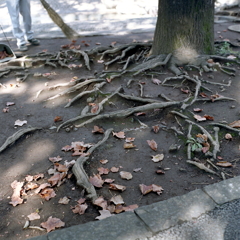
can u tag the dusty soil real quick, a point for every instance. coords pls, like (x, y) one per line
(30, 154)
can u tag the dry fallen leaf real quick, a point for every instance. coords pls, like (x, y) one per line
(130, 208)
(102, 171)
(103, 161)
(58, 119)
(52, 224)
(61, 167)
(55, 159)
(156, 81)
(224, 164)
(137, 169)
(47, 193)
(126, 175)
(159, 171)
(209, 117)
(109, 180)
(97, 129)
(129, 139)
(117, 200)
(158, 157)
(228, 136)
(145, 189)
(6, 110)
(67, 148)
(186, 91)
(30, 186)
(235, 124)
(157, 189)
(96, 180)
(128, 145)
(57, 178)
(114, 169)
(101, 202)
(20, 123)
(10, 104)
(17, 187)
(94, 107)
(80, 208)
(203, 95)
(156, 128)
(104, 214)
(41, 187)
(197, 110)
(65, 200)
(152, 144)
(117, 187)
(33, 216)
(199, 118)
(119, 134)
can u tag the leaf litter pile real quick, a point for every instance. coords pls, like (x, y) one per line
(148, 128)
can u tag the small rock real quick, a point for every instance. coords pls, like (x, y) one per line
(67, 129)
(174, 148)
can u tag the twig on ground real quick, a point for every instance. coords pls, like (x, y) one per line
(201, 166)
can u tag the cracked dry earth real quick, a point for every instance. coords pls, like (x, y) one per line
(30, 154)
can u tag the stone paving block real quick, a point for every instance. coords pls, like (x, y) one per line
(224, 191)
(125, 226)
(165, 214)
(43, 237)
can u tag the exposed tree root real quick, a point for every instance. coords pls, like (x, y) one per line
(75, 88)
(226, 127)
(215, 143)
(79, 172)
(201, 166)
(84, 115)
(129, 111)
(94, 90)
(16, 136)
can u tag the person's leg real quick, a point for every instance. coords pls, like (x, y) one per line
(25, 11)
(13, 9)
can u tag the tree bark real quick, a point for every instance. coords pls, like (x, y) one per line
(184, 25)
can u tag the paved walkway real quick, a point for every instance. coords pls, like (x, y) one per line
(212, 213)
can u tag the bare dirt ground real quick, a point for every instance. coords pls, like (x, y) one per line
(30, 154)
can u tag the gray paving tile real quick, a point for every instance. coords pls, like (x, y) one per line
(43, 237)
(125, 226)
(224, 191)
(162, 215)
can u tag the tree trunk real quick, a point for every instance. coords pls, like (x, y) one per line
(184, 25)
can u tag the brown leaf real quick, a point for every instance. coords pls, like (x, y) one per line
(224, 164)
(108, 80)
(61, 167)
(128, 145)
(29, 178)
(152, 144)
(102, 171)
(58, 119)
(55, 159)
(103, 161)
(126, 175)
(156, 128)
(80, 208)
(199, 118)
(206, 147)
(157, 189)
(140, 114)
(197, 110)
(17, 187)
(119, 134)
(209, 117)
(97, 129)
(145, 189)
(228, 136)
(114, 169)
(96, 181)
(235, 124)
(57, 178)
(129, 139)
(65, 200)
(30, 186)
(109, 180)
(104, 214)
(159, 171)
(117, 187)
(117, 200)
(101, 202)
(33, 216)
(203, 95)
(81, 200)
(94, 108)
(42, 186)
(130, 208)
(10, 104)
(119, 208)
(6, 110)
(52, 224)
(67, 148)
(156, 81)
(158, 157)
(47, 193)
(185, 91)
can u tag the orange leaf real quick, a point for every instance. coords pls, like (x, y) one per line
(119, 134)
(152, 144)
